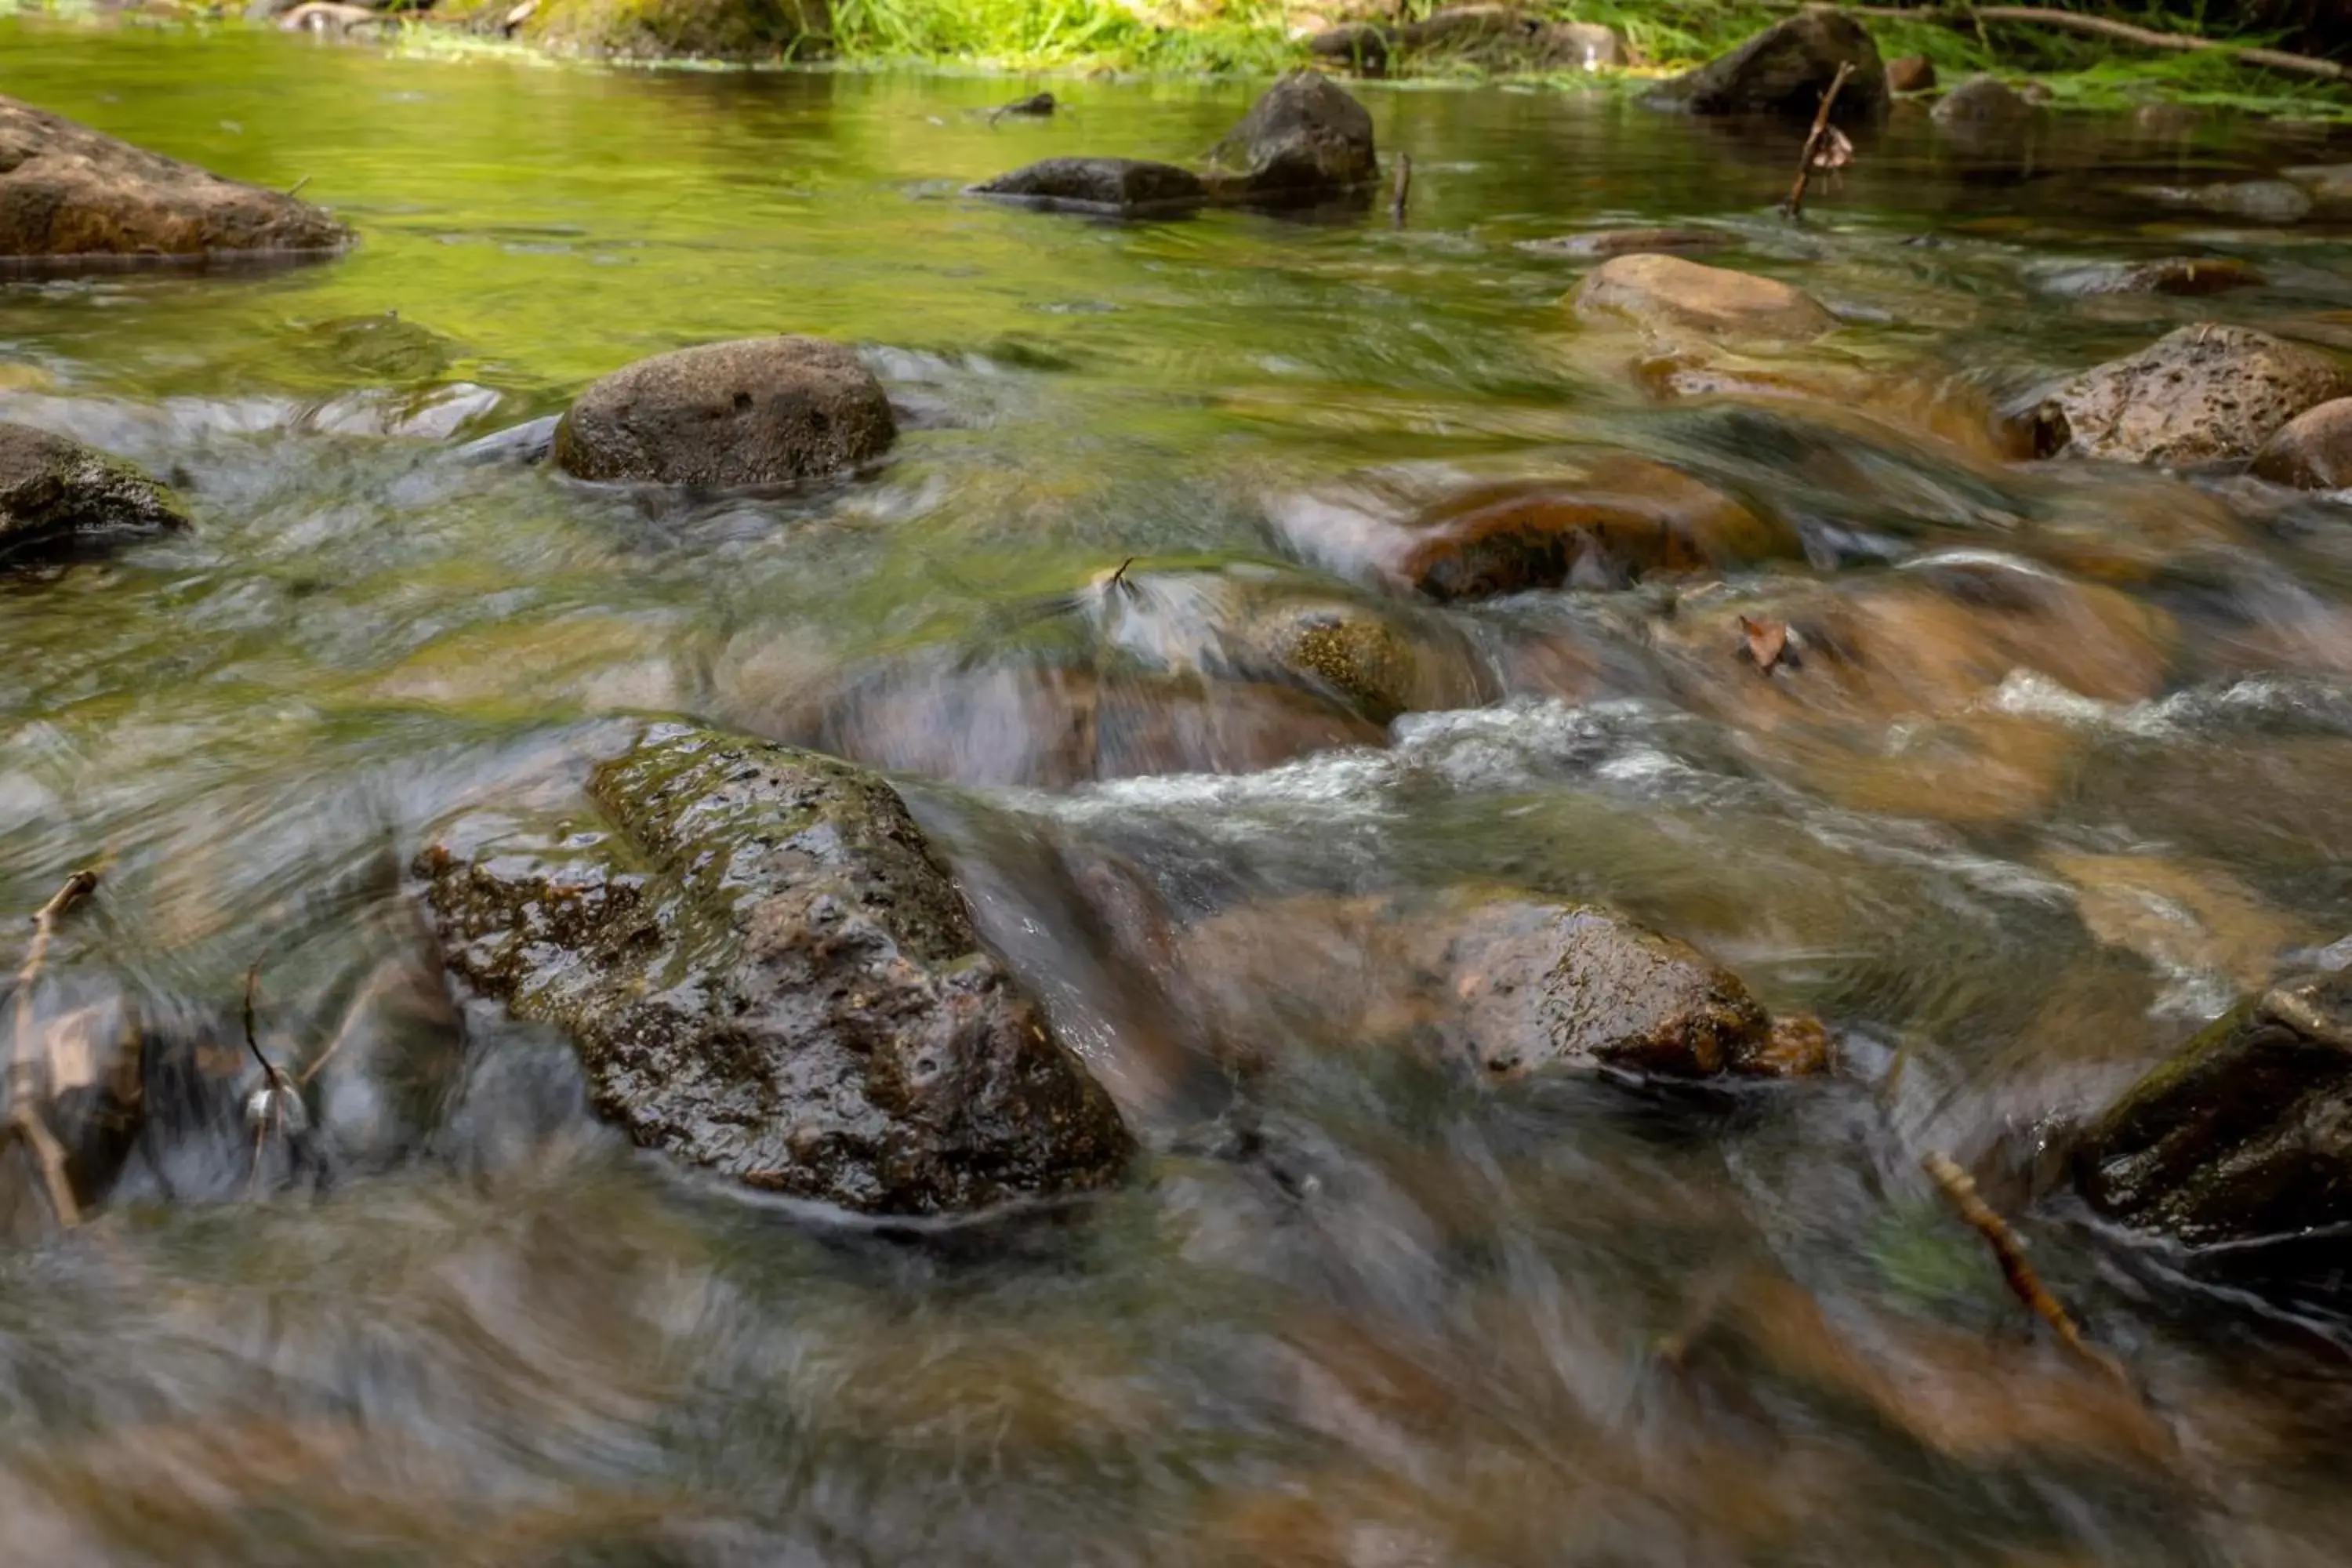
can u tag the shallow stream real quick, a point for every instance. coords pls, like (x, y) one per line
(1354, 1309)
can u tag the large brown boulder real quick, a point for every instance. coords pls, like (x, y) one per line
(68, 191)
(1304, 137)
(766, 973)
(2246, 1133)
(760, 411)
(2313, 451)
(1130, 187)
(1785, 70)
(2203, 394)
(1666, 293)
(59, 498)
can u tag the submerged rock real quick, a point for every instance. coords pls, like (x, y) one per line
(2203, 394)
(1053, 725)
(2185, 275)
(760, 411)
(2246, 1133)
(1785, 70)
(766, 973)
(1305, 138)
(67, 191)
(1603, 244)
(59, 498)
(1666, 293)
(2262, 200)
(1622, 519)
(2312, 451)
(1126, 187)
(1506, 984)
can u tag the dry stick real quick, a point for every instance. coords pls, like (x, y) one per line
(1793, 209)
(2023, 1282)
(2099, 26)
(1400, 193)
(23, 1121)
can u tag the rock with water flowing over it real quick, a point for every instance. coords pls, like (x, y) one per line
(766, 973)
(2204, 394)
(1128, 187)
(59, 498)
(2246, 1133)
(2258, 201)
(1505, 984)
(1618, 521)
(68, 191)
(1668, 294)
(2181, 276)
(2313, 451)
(1305, 138)
(1785, 70)
(759, 411)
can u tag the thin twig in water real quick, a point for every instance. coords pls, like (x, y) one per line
(1118, 583)
(2023, 1282)
(296, 188)
(1793, 209)
(23, 1119)
(1400, 192)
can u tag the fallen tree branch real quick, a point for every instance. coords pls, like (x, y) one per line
(2023, 1282)
(1794, 207)
(1402, 191)
(1970, 17)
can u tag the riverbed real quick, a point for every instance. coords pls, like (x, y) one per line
(1351, 1309)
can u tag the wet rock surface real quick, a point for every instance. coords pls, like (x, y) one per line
(1602, 243)
(1668, 294)
(60, 499)
(2313, 451)
(1504, 985)
(768, 975)
(2203, 394)
(2246, 1133)
(760, 411)
(2258, 201)
(1620, 521)
(1129, 187)
(2187, 277)
(1305, 138)
(1983, 103)
(68, 191)
(1785, 70)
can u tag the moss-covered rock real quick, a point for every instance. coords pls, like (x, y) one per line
(766, 973)
(680, 29)
(59, 498)
(2246, 1133)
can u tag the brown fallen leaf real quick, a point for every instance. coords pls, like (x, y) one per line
(1768, 642)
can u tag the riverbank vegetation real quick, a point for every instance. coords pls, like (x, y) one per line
(1193, 37)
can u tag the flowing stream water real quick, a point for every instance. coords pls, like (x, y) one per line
(1352, 1309)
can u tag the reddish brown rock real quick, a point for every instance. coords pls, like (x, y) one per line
(1910, 73)
(1622, 519)
(2313, 451)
